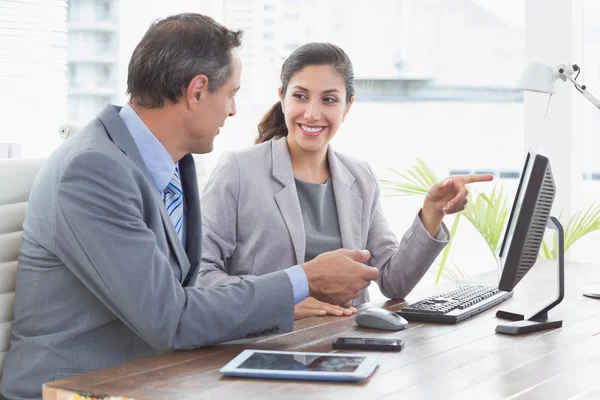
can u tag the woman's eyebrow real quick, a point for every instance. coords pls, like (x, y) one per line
(324, 91)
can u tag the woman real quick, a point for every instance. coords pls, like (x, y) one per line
(291, 197)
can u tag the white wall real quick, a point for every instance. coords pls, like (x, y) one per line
(554, 36)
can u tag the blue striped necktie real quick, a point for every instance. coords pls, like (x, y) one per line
(173, 198)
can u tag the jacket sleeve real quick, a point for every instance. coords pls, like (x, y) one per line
(220, 205)
(401, 264)
(101, 236)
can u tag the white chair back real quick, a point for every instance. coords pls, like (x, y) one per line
(16, 179)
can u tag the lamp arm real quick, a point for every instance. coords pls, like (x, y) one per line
(583, 89)
(591, 98)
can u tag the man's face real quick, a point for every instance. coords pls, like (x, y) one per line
(214, 109)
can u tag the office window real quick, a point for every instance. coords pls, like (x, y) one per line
(104, 41)
(586, 249)
(291, 17)
(32, 73)
(510, 174)
(103, 75)
(103, 10)
(433, 81)
(433, 78)
(289, 47)
(590, 75)
(73, 81)
(459, 172)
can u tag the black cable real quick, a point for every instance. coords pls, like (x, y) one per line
(576, 68)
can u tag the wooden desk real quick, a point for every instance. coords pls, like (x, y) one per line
(467, 360)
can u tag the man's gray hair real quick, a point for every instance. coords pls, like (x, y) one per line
(175, 50)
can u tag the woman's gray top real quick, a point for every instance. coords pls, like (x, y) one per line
(320, 217)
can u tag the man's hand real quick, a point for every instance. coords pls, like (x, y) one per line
(311, 307)
(337, 277)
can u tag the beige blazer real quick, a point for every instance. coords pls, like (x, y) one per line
(252, 221)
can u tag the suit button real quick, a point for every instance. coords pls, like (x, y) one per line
(275, 329)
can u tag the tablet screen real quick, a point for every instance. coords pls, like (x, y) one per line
(300, 362)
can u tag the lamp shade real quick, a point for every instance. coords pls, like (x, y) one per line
(537, 77)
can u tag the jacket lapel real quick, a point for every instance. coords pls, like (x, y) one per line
(349, 204)
(116, 129)
(287, 198)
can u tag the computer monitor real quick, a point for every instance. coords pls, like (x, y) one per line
(523, 236)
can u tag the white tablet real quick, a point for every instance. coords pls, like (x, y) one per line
(300, 365)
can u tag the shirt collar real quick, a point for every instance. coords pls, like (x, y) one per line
(155, 156)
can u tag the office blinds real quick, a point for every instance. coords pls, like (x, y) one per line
(33, 86)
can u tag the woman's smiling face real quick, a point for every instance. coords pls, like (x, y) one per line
(314, 106)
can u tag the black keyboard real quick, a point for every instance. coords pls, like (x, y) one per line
(455, 305)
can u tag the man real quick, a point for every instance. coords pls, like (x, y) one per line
(111, 242)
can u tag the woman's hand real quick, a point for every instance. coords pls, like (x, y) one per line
(448, 196)
(311, 307)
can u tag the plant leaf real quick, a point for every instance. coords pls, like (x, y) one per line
(417, 180)
(488, 214)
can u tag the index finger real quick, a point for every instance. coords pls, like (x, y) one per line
(471, 178)
(371, 273)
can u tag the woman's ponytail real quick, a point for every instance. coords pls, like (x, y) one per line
(271, 125)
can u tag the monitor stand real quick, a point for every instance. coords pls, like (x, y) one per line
(538, 320)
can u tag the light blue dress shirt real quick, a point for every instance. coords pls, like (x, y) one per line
(299, 282)
(157, 159)
(162, 168)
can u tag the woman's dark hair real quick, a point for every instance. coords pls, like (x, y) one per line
(173, 51)
(273, 123)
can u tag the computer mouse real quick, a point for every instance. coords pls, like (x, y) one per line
(379, 318)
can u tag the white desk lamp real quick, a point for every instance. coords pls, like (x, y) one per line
(540, 78)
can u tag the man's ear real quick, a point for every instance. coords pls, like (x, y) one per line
(196, 90)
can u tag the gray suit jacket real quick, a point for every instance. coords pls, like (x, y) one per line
(102, 277)
(253, 223)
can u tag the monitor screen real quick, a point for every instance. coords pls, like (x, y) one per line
(509, 231)
(526, 225)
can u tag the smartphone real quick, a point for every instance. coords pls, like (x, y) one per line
(360, 343)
